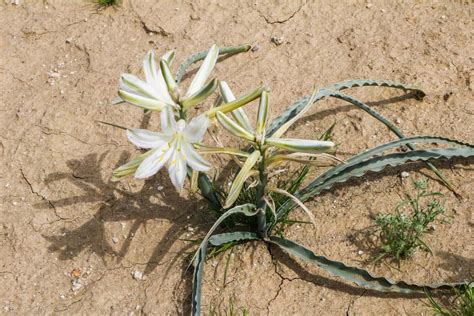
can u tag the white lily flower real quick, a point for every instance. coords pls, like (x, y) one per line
(173, 147)
(159, 89)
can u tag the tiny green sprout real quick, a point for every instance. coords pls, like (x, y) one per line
(461, 305)
(107, 3)
(401, 233)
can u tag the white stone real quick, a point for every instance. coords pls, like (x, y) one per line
(137, 275)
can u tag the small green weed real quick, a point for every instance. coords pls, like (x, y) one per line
(461, 305)
(106, 3)
(230, 310)
(401, 232)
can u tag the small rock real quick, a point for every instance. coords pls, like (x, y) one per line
(62, 296)
(255, 48)
(404, 174)
(137, 275)
(115, 240)
(69, 40)
(277, 40)
(76, 285)
(123, 225)
(160, 188)
(360, 252)
(76, 273)
(190, 229)
(369, 5)
(398, 121)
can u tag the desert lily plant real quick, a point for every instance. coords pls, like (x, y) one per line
(265, 148)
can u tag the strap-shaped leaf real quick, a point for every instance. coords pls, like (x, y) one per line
(220, 239)
(392, 127)
(282, 129)
(376, 83)
(299, 105)
(382, 148)
(215, 240)
(375, 164)
(356, 275)
(229, 51)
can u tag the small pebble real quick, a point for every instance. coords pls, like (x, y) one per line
(160, 188)
(115, 240)
(190, 229)
(360, 252)
(369, 5)
(404, 174)
(137, 275)
(255, 48)
(62, 296)
(76, 285)
(277, 40)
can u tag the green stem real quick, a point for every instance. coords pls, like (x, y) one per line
(261, 204)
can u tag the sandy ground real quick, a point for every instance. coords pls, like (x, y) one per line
(61, 217)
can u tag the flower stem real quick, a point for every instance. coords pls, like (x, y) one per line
(261, 204)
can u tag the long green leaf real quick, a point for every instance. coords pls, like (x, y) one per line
(296, 107)
(337, 175)
(299, 105)
(220, 239)
(392, 127)
(215, 240)
(230, 50)
(356, 275)
(390, 145)
(376, 83)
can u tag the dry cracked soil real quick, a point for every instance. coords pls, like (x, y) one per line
(73, 242)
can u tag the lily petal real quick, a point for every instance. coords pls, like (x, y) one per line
(239, 114)
(152, 164)
(204, 71)
(233, 127)
(168, 121)
(262, 116)
(239, 180)
(155, 78)
(177, 170)
(202, 94)
(146, 139)
(170, 82)
(195, 130)
(132, 83)
(142, 101)
(193, 159)
(301, 145)
(231, 106)
(130, 167)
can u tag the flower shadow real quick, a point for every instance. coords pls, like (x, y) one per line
(118, 205)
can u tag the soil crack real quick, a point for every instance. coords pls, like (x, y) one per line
(291, 16)
(42, 197)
